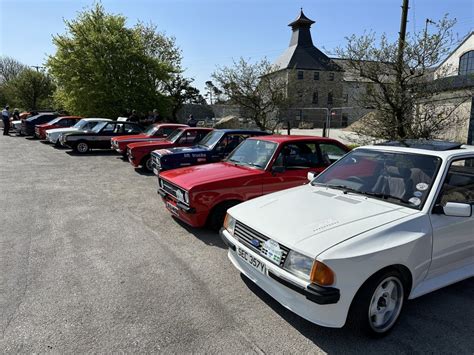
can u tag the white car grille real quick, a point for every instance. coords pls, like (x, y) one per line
(255, 240)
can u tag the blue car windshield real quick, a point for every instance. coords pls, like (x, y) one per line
(211, 139)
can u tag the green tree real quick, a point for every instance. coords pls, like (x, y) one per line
(103, 68)
(10, 68)
(255, 88)
(180, 91)
(31, 90)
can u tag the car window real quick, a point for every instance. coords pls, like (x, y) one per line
(230, 142)
(458, 185)
(128, 128)
(400, 178)
(200, 135)
(330, 152)
(297, 156)
(167, 130)
(109, 127)
(188, 137)
(253, 153)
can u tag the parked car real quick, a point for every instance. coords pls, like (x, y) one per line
(213, 148)
(16, 124)
(384, 224)
(201, 194)
(139, 154)
(153, 133)
(99, 136)
(28, 125)
(58, 122)
(86, 124)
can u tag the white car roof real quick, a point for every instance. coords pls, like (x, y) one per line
(96, 119)
(444, 154)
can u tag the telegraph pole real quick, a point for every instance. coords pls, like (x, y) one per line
(37, 67)
(400, 64)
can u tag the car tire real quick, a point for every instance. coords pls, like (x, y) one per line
(216, 218)
(81, 147)
(146, 164)
(377, 306)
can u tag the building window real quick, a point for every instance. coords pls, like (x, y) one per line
(300, 75)
(315, 97)
(316, 75)
(330, 98)
(346, 98)
(466, 63)
(331, 76)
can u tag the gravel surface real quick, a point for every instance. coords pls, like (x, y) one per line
(90, 261)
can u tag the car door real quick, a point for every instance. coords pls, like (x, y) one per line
(453, 237)
(102, 139)
(291, 166)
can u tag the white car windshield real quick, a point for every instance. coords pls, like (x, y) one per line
(80, 124)
(397, 177)
(253, 152)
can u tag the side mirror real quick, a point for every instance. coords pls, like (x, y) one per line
(278, 169)
(455, 209)
(311, 175)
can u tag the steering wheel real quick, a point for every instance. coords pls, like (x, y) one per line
(355, 179)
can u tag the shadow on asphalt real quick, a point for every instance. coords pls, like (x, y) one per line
(94, 152)
(205, 235)
(434, 308)
(140, 171)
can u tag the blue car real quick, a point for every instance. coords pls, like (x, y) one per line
(214, 147)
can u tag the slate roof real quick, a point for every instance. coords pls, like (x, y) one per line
(301, 53)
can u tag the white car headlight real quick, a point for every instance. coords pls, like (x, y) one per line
(299, 264)
(229, 223)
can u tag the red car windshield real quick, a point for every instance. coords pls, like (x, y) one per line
(253, 152)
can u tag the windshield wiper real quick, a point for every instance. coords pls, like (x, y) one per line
(235, 162)
(344, 188)
(383, 196)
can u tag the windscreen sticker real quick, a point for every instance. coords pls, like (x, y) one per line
(422, 186)
(418, 194)
(415, 201)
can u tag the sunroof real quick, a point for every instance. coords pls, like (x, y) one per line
(424, 144)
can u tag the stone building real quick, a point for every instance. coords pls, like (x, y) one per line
(323, 89)
(319, 88)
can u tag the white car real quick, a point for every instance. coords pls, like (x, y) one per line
(384, 224)
(53, 135)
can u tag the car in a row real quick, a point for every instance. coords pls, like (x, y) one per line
(339, 237)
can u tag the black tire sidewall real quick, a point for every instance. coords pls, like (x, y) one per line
(358, 318)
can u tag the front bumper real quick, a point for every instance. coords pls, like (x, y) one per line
(188, 215)
(317, 304)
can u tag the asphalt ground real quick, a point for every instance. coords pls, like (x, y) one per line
(90, 261)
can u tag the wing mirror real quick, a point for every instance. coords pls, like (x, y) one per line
(311, 175)
(278, 169)
(455, 209)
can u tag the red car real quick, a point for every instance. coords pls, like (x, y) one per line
(201, 194)
(59, 122)
(155, 132)
(140, 153)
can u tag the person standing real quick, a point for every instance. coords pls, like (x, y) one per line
(6, 121)
(191, 121)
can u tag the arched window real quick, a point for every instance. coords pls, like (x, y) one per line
(466, 63)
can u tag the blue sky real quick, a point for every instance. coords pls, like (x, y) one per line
(212, 32)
